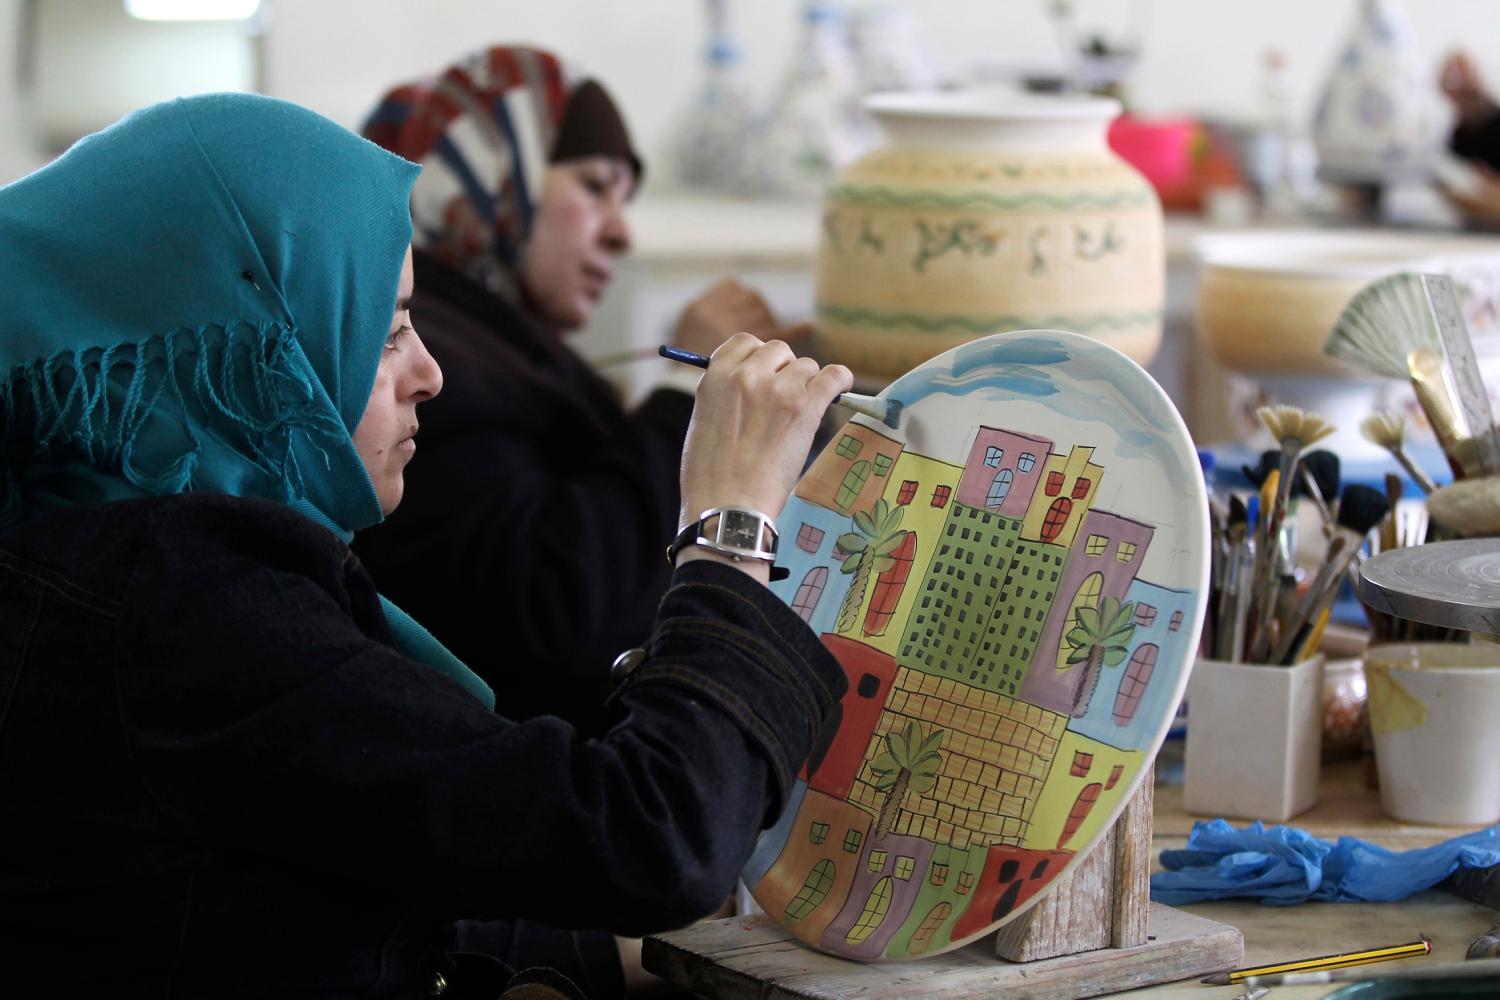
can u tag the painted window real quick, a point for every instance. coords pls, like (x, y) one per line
(1096, 545)
(999, 488)
(808, 592)
(1175, 625)
(1125, 553)
(1026, 462)
(849, 446)
(939, 874)
(908, 492)
(1082, 806)
(922, 939)
(854, 481)
(965, 882)
(813, 891)
(1086, 596)
(1081, 487)
(1054, 483)
(1082, 762)
(1057, 518)
(877, 861)
(940, 495)
(905, 866)
(888, 587)
(882, 464)
(1145, 614)
(1114, 776)
(993, 455)
(818, 833)
(1133, 684)
(875, 908)
(852, 838)
(809, 538)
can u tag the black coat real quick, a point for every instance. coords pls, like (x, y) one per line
(1480, 141)
(537, 511)
(217, 776)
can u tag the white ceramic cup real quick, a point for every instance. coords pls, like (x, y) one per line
(1435, 715)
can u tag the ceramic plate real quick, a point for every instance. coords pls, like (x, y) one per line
(1013, 581)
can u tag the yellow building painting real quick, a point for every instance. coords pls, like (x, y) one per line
(1087, 780)
(1064, 495)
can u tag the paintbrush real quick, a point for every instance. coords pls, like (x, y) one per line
(1318, 476)
(1234, 547)
(1360, 509)
(887, 411)
(1388, 430)
(1294, 430)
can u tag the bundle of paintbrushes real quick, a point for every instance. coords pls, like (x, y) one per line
(1411, 327)
(1257, 611)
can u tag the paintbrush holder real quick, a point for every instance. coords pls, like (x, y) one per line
(1254, 746)
(1469, 508)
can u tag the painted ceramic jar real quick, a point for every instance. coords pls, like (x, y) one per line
(982, 214)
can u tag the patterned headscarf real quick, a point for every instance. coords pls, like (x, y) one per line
(484, 132)
(196, 300)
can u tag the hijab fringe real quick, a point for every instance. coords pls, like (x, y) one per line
(89, 406)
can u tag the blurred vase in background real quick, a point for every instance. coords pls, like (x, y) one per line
(711, 147)
(983, 212)
(1374, 122)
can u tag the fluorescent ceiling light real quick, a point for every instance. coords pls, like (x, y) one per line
(192, 10)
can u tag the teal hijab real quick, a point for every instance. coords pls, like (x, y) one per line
(196, 299)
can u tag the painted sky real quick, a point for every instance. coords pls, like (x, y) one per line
(1072, 390)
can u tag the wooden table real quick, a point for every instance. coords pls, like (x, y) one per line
(745, 957)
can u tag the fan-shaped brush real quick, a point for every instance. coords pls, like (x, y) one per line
(1294, 429)
(1388, 430)
(1389, 328)
(1383, 324)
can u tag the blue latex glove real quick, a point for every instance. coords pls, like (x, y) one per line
(1281, 865)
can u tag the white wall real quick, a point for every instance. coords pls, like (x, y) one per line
(1200, 56)
(18, 153)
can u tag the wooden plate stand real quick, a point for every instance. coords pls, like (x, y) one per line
(1060, 949)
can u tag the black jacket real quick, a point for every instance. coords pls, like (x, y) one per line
(1480, 141)
(218, 777)
(537, 511)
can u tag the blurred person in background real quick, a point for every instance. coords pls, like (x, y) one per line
(540, 507)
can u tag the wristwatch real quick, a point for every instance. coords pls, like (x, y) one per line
(737, 532)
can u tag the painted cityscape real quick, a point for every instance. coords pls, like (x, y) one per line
(1011, 671)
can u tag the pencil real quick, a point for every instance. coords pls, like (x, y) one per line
(1342, 960)
(887, 411)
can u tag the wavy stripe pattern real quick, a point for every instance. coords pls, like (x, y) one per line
(1077, 323)
(891, 197)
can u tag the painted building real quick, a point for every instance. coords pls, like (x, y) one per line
(1085, 785)
(1131, 695)
(1011, 876)
(1029, 589)
(922, 488)
(995, 753)
(814, 586)
(886, 884)
(945, 894)
(1067, 489)
(1102, 562)
(821, 859)
(1002, 471)
(832, 766)
(852, 471)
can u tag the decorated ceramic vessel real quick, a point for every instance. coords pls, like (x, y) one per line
(1013, 580)
(982, 214)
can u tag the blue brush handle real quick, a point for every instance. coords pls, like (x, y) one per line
(698, 360)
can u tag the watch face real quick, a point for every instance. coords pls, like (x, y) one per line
(739, 530)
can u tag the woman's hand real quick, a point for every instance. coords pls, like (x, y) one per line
(758, 408)
(1461, 84)
(727, 308)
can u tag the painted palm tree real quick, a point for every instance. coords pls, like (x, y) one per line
(877, 533)
(1100, 639)
(910, 763)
